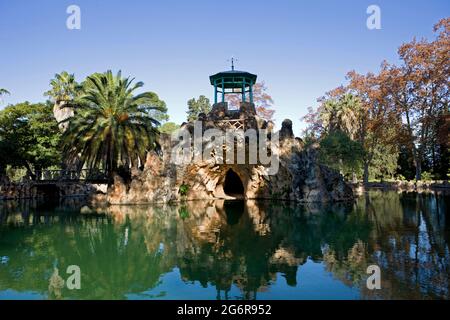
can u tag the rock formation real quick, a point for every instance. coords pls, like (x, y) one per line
(299, 177)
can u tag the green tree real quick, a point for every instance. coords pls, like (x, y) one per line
(64, 90)
(341, 113)
(29, 137)
(3, 92)
(160, 115)
(195, 107)
(112, 126)
(168, 127)
(338, 151)
(384, 161)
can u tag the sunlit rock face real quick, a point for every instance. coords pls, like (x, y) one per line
(299, 177)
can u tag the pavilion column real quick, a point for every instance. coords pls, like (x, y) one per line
(215, 91)
(251, 92)
(243, 90)
(223, 90)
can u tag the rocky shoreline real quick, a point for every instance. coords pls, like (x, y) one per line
(35, 190)
(98, 193)
(403, 186)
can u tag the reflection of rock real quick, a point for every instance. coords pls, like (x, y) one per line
(56, 284)
(207, 248)
(129, 249)
(285, 256)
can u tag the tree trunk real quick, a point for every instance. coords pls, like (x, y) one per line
(61, 112)
(29, 171)
(366, 172)
(3, 176)
(418, 170)
(354, 178)
(416, 157)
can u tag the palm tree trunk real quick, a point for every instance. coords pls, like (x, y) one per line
(62, 112)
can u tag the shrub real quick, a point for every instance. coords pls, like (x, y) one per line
(427, 176)
(184, 189)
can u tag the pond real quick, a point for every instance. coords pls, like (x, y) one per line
(228, 250)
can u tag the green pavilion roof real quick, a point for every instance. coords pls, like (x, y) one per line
(233, 78)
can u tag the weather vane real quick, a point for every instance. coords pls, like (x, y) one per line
(233, 60)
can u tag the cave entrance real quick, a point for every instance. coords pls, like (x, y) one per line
(233, 186)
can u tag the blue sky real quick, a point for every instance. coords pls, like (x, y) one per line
(301, 49)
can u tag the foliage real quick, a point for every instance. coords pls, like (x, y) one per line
(384, 162)
(183, 190)
(159, 114)
(15, 174)
(427, 176)
(399, 113)
(340, 113)
(29, 137)
(112, 125)
(3, 92)
(169, 127)
(338, 151)
(195, 107)
(63, 87)
(262, 100)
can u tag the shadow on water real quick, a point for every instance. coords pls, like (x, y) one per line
(230, 249)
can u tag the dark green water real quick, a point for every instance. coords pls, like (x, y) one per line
(234, 250)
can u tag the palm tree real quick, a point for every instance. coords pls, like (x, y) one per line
(3, 92)
(64, 87)
(350, 107)
(341, 114)
(112, 126)
(64, 90)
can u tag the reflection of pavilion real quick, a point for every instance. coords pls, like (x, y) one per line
(221, 243)
(236, 248)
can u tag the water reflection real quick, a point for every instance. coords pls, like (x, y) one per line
(230, 249)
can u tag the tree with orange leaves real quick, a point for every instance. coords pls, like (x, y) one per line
(419, 91)
(377, 122)
(262, 100)
(404, 105)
